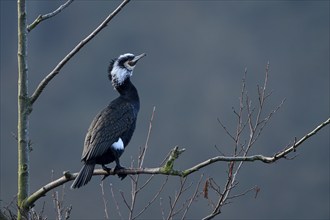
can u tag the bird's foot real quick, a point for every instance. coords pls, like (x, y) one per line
(121, 176)
(107, 169)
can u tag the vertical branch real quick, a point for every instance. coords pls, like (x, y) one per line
(144, 150)
(135, 180)
(115, 201)
(192, 198)
(255, 127)
(104, 201)
(176, 198)
(231, 165)
(239, 114)
(25, 102)
(23, 111)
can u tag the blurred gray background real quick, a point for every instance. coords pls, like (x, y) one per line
(196, 55)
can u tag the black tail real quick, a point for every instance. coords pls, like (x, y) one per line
(84, 176)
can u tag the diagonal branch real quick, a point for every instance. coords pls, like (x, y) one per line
(167, 169)
(75, 50)
(265, 159)
(282, 154)
(41, 18)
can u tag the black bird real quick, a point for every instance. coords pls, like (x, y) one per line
(112, 129)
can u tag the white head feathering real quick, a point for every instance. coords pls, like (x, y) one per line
(122, 68)
(125, 55)
(120, 73)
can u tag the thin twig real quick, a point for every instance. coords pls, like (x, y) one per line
(162, 207)
(226, 130)
(153, 199)
(125, 201)
(57, 205)
(141, 158)
(145, 184)
(243, 193)
(73, 52)
(41, 18)
(116, 202)
(192, 198)
(255, 126)
(184, 204)
(135, 181)
(104, 201)
(264, 122)
(240, 125)
(176, 199)
(213, 185)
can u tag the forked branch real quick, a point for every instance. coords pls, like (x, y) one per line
(41, 18)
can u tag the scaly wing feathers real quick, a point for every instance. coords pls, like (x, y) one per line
(107, 127)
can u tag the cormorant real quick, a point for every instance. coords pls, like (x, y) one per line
(112, 129)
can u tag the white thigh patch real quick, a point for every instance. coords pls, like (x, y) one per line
(119, 145)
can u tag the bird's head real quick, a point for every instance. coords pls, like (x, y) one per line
(122, 68)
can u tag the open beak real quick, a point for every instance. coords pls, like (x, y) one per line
(137, 58)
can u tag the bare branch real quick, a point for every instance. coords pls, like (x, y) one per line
(255, 128)
(261, 158)
(57, 205)
(162, 207)
(125, 201)
(41, 18)
(172, 213)
(116, 202)
(144, 150)
(135, 180)
(167, 169)
(62, 212)
(153, 199)
(75, 50)
(104, 201)
(296, 144)
(145, 183)
(192, 198)
(226, 130)
(255, 188)
(264, 122)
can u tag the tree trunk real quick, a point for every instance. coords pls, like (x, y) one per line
(23, 112)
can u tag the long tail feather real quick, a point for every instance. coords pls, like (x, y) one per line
(84, 176)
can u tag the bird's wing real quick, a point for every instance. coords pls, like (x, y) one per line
(106, 128)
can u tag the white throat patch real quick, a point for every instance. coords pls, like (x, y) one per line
(119, 74)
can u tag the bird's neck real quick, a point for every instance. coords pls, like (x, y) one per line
(128, 91)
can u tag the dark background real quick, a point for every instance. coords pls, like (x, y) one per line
(196, 55)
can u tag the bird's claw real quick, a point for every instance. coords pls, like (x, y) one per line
(107, 169)
(121, 176)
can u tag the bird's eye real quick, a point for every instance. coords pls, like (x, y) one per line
(131, 63)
